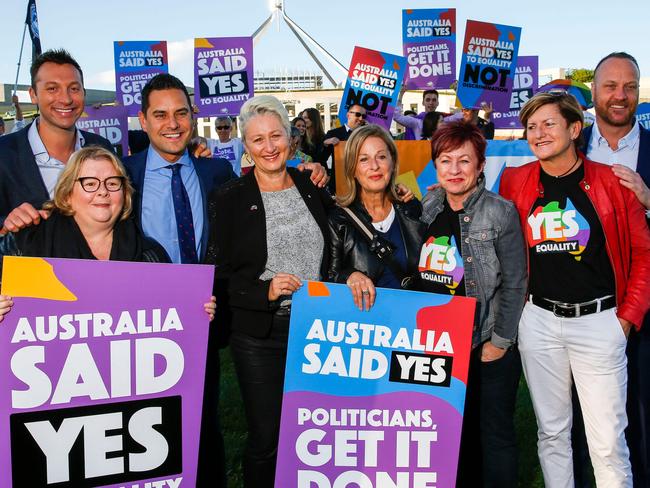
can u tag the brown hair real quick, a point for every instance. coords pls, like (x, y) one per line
(566, 103)
(69, 175)
(351, 157)
(453, 135)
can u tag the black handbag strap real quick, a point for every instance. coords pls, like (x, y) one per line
(383, 252)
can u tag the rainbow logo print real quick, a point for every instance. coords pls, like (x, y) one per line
(552, 229)
(441, 262)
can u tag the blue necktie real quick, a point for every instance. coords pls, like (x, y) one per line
(184, 222)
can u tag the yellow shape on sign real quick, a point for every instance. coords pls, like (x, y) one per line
(32, 278)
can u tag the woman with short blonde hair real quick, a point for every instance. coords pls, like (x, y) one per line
(588, 249)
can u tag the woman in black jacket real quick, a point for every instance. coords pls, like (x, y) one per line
(268, 232)
(388, 256)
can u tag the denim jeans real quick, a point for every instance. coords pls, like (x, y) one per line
(488, 446)
(259, 364)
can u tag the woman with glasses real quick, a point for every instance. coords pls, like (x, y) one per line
(226, 147)
(89, 218)
(588, 249)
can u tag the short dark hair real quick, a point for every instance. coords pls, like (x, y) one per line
(566, 103)
(618, 55)
(57, 56)
(453, 135)
(430, 92)
(163, 81)
(430, 124)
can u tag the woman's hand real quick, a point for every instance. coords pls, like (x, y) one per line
(404, 193)
(211, 307)
(490, 352)
(283, 284)
(318, 174)
(363, 290)
(5, 305)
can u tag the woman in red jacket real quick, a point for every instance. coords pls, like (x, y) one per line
(589, 260)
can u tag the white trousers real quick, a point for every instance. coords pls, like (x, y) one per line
(591, 349)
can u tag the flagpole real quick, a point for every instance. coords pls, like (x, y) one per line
(20, 57)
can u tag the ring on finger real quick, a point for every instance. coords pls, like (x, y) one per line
(365, 292)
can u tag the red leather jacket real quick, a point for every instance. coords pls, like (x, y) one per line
(627, 236)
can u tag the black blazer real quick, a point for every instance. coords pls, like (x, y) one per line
(350, 249)
(211, 173)
(237, 247)
(20, 179)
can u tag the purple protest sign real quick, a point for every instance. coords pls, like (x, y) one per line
(487, 68)
(429, 43)
(524, 86)
(112, 123)
(136, 62)
(103, 366)
(373, 398)
(223, 74)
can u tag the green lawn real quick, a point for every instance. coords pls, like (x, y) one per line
(234, 425)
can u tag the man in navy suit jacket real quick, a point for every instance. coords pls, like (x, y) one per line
(167, 119)
(616, 138)
(32, 158)
(356, 117)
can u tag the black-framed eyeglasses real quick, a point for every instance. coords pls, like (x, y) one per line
(223, 127)
(359, 114)
(90, 184)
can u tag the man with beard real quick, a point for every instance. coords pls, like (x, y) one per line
(616, 138)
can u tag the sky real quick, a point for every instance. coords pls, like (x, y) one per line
(570, 34)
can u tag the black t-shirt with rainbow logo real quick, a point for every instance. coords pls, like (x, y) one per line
(440, 268)
(566, 244)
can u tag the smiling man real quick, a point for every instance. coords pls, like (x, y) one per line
(617, 139)
(170, 203)
(172, 186)
(31, 159)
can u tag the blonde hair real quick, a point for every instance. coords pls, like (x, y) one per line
(351, 157)
(69, 175)
(260, 105)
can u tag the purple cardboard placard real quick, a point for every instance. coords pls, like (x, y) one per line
(136, 62)
(524, 86)
(373, 398)
(429, 46)
(109, 122)
(103, 367)
(223, 74)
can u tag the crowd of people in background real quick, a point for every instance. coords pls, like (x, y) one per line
(558, 262)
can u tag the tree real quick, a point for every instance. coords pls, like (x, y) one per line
(582, 75)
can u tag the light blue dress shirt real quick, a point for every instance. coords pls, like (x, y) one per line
(49, 167)
(158, 218)
(627, 153)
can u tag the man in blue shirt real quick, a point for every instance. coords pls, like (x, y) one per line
(167, 119)
(170, 202)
